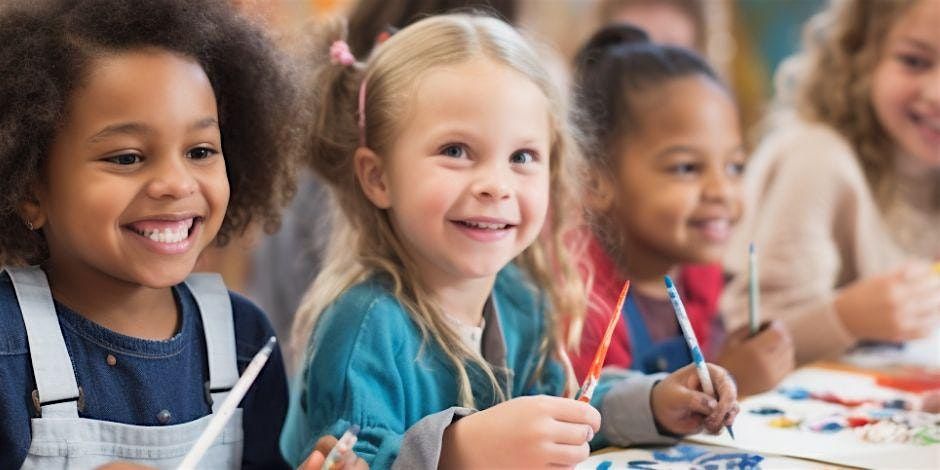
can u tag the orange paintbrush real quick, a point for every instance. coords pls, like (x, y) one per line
(594, 373)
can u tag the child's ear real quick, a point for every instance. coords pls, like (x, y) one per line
(372, 177)
(31, 211)
(600, 192)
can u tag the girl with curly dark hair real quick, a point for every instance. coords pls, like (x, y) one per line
(132, 136)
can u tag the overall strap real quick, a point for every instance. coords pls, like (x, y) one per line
(215, 309)
(640, 341)
(57, 393)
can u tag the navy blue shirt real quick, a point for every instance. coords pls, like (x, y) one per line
(147, 377)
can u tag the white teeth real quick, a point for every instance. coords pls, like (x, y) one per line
(485, 225)
(168, 235)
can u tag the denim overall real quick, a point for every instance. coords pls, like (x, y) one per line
(649, 356)
(62, 439)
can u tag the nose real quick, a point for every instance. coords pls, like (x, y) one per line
(172, 178)
(718, 186)
(492, 183)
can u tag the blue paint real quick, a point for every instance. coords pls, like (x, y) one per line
(643, 464)
(767, 411)
(697, 355)
(881, 414)
(795, 393)
(698, 458)
(828, 427)
(897, 404)
(736, 461)
(604, 465)
(679, 453)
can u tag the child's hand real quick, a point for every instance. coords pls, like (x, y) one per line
(758, 363)
(322, 449)
(531, 432)
(679, 406)
(930, 401)
(900, 305)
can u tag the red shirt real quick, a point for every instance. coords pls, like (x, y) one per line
(699, 286)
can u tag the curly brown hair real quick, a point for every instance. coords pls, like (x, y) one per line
(843, 45)
(47, 48)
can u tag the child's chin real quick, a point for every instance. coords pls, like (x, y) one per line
(706, 255)
(162, 278)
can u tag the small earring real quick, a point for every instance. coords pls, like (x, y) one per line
(29, 225)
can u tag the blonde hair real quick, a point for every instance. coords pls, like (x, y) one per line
(363, 242)
(843, 45)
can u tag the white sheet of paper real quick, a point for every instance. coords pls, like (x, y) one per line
(843, 447)
(923, 353)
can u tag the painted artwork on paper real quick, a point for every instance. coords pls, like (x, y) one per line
(836, 417)
(688, 456)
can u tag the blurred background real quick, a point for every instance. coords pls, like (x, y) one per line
(745, 40)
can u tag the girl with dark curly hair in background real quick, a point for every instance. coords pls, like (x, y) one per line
(132, 136)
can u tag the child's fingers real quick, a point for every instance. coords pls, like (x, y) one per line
(773, 336)
(313, 462)
(570, 433)
(358, 464)
(325, 444)
(729, 419)
(724, 385)
(699, 402)
(568, 455)
(577, 412)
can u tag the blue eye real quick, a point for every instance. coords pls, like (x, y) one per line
(522, 157)
(201, 153)
(735, 169)
(454, 151)
(124, 159)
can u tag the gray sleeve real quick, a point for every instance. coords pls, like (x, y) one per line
(628, 417)
(421, 446)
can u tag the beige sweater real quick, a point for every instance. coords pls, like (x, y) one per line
(817, 228)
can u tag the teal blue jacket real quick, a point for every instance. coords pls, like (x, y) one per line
(369, 366)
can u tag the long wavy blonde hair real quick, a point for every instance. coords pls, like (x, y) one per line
(363, 242)
(843, 44)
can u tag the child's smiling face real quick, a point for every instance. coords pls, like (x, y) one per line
(677, 186)
(135, 184)
(467, 180)
(906, 82)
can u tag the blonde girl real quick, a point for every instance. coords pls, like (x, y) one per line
(449, 159)
(844, 191)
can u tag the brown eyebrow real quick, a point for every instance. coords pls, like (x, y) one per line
(204, 123)
(138, 128)
(122, 128)
(918, 44)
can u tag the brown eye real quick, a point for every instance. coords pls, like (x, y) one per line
(201, 153)
(124, 159)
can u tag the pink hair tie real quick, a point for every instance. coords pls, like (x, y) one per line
(339, 53)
